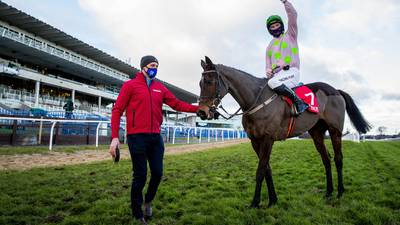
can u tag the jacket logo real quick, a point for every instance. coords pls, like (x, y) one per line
(155, 90)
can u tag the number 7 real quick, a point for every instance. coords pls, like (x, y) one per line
(312, 97)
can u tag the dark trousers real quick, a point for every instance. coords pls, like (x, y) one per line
(143, 148)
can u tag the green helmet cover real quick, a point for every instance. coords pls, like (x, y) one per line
(273, 19)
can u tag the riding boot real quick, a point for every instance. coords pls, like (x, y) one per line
(300, 106)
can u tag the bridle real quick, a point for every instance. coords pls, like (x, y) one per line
(216, 99)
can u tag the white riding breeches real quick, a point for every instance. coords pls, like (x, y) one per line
(290, 78)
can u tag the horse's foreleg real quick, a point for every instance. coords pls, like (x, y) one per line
(260, 174)
(336, 138)
(271, 189)
(264, 171)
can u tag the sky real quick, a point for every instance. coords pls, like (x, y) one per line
(350, 44)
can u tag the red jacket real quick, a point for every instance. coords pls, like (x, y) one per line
(143, 106)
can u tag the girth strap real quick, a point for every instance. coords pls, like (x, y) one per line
(260, 106)
(291, 123)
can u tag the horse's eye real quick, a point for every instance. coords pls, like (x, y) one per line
(208, 81)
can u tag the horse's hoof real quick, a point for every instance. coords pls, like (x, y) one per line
(340, 193)
(328, 194)
(272, 201)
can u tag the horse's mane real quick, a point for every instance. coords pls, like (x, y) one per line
(234, 70)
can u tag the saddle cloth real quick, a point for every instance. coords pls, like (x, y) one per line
(305, 94)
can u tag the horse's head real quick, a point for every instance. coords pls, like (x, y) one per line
(212, 90)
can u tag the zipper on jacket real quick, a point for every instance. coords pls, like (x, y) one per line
(151, 109)
(133, 119)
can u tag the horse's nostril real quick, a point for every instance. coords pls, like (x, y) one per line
(202, 114)
(216, 115)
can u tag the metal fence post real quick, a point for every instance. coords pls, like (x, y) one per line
(97, 135)
(40, 131)
(200, 135)
(51, 135)
(14, 132)
(167, 137)
(188, 135)
(88, 134)
(173, 135)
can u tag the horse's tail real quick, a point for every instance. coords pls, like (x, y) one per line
(356, 118)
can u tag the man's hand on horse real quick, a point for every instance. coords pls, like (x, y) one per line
(203, 111)
(113, 147)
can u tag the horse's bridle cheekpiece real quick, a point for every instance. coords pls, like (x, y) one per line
(217, 99)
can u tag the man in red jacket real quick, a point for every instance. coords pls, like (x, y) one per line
(142, 98)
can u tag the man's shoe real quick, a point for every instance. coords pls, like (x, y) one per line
(148, 211)
(142, 221)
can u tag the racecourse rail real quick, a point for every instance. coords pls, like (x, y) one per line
(219, 134)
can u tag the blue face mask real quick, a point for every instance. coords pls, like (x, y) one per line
(152, 72)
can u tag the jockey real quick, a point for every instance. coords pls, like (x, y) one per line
(282, 57)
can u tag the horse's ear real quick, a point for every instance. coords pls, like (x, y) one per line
(203, 64)
(208, 61)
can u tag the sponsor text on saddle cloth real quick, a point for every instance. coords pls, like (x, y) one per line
(307, 96)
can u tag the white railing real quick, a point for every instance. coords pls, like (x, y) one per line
(206, 132)
(217, 133)
(352, 137)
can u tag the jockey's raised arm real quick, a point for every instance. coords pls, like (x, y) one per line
(292, 19)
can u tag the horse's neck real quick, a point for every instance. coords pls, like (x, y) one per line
(244, 87)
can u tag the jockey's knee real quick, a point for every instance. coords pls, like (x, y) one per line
(273, 83)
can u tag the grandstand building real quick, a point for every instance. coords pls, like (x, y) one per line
(42, 67)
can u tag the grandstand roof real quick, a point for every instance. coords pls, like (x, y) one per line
(26, 22)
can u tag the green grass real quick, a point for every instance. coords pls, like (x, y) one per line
(214, 187)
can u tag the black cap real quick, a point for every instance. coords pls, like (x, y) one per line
(146, 60)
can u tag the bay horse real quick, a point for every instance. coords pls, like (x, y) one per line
(266, 119)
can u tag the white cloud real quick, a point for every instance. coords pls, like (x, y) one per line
(360, 17)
